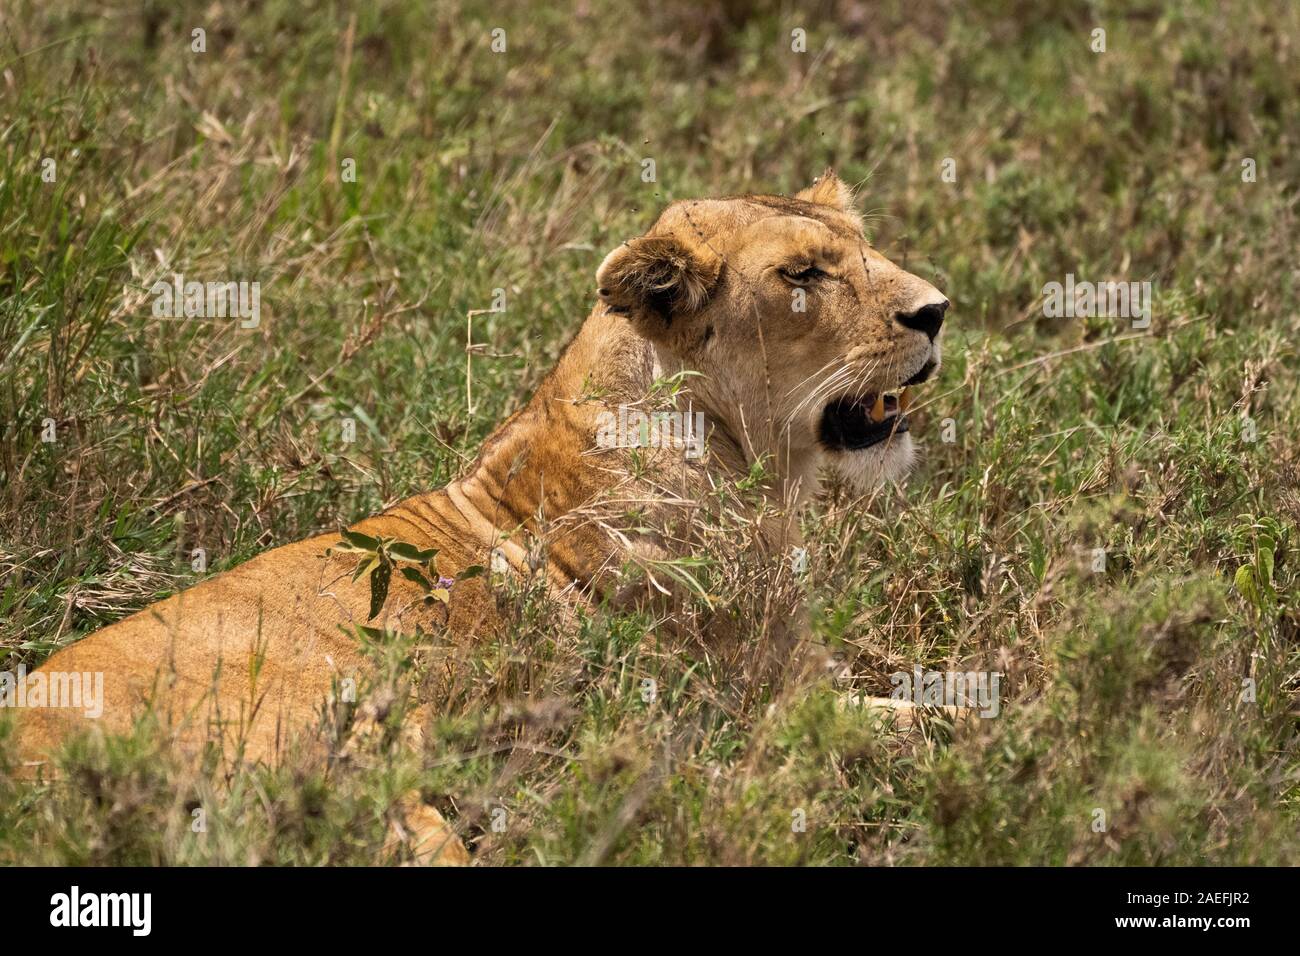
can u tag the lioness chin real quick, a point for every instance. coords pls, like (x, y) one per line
(797, 342)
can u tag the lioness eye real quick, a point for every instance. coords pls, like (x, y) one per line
(802, 276)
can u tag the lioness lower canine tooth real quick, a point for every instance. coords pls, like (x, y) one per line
(905, 400)
(878, 409)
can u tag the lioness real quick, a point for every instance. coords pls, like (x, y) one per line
(800, 341)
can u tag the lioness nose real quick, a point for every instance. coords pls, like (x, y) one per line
(926, 319)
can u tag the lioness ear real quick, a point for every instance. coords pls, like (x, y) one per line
(656, 279)
(829, 190)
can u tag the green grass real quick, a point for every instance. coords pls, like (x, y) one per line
(478, 171)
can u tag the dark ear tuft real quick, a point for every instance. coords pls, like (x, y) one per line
(654, 279)
(604, 292)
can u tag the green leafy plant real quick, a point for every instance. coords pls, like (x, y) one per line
(1255, 578)
(378, 557)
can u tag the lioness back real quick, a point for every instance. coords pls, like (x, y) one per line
(255, 650)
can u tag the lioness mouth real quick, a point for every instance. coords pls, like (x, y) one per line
(854, 423)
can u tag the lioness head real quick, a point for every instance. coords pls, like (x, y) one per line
(806, 339)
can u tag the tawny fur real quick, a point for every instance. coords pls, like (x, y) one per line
(262, 646)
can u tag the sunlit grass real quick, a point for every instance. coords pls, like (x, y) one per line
(476, 171)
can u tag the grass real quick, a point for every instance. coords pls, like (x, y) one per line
(1123, 737)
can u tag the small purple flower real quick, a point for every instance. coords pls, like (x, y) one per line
(445, 582)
